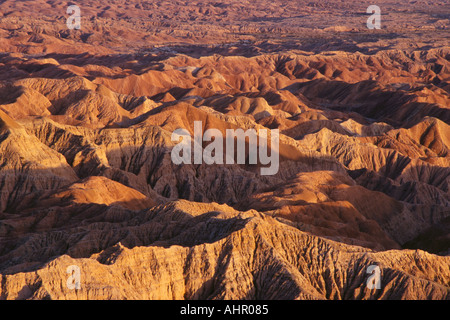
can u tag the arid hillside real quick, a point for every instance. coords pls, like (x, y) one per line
(87, 178)
(203, 27)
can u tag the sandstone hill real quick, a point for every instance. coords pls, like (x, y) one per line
(87, 179)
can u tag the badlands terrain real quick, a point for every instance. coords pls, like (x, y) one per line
(87, 180)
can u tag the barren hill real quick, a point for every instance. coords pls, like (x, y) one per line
(87, 179)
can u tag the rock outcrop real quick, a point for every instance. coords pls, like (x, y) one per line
(87, 177)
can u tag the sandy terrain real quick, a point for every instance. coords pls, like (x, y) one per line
(87, 178)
